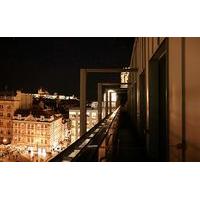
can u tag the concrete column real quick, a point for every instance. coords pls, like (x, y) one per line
(106, 110)
(83, 118)
(99, 102)
(110, 102)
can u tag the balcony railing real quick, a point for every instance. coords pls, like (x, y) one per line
(94, 145)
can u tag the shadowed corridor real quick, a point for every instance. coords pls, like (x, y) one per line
(129, 147)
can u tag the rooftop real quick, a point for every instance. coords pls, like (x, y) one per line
(36, 114)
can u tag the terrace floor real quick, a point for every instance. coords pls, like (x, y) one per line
(129, 147)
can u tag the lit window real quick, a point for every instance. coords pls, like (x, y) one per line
(72, 113)
(94, 114)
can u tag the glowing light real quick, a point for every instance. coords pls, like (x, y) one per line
(113, 96)
(39, 151)
(124, 79)
(44, 152)
(32, 153)
(5, 140)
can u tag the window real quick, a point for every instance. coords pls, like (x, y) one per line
(1, 123)
(8, 115)
(41, 141)
(32, 140)
(45, 141)
(8, 107)
(28, 139)
(1, 114)
(8, 125)
(94, 114)
(42, 118)
(1, 106)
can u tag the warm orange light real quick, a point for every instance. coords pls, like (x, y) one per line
(5, 140)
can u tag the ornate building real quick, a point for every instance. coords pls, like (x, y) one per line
(9, 103)
(39, 130)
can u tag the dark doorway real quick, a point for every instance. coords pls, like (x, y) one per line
(158, 106)
(142, 106)
(122, 98)
(134, 89)
(162, 86)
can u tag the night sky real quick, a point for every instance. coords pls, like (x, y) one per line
(54, 63)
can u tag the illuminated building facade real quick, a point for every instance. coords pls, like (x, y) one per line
(45, 94)
(36, 131)
(9, 103)
(124, 79)
(113, 95)
(74, 116)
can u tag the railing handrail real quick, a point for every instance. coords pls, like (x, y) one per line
(76, 145)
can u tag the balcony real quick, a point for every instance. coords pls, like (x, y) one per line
(94, 145)
(112, 139)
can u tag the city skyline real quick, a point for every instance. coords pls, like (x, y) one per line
(54, 63)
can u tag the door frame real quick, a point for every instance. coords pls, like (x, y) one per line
(161, 51)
